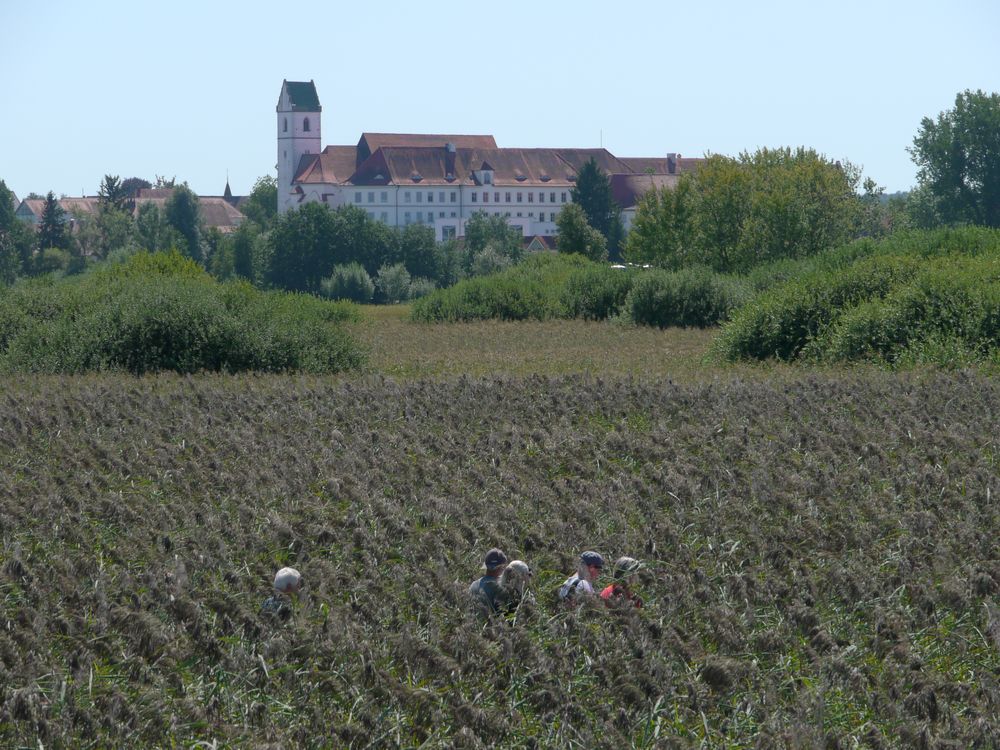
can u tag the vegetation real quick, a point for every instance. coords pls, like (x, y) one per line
(576, 235)
(161, 312)
(959, 159)
(816, 574)
(592, 193)
(915, 297)
(734, 214)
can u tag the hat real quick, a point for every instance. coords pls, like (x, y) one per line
(592, 558)
(494, 559)
(626, 566)
(287, 580)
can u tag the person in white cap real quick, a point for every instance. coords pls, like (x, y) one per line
(513, 585)
(287, 583)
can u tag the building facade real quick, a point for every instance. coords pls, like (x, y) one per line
(439, 180)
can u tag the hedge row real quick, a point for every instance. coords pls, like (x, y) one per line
(163, 312)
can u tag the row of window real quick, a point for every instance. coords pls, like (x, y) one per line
(383, 197)
(409, 217)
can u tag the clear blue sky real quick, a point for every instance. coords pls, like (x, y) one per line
(188, 89)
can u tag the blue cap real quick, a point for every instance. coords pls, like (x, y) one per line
(494, 559)
(592, 558)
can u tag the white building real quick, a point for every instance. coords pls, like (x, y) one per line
(438, 180)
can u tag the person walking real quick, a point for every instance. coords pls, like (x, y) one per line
(588, 570)
(485, 590)
(623, 574)
(513, 585)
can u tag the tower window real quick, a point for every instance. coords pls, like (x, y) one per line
(285, 129)
(305, 125)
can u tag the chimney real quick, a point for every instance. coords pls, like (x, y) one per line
(671, 163)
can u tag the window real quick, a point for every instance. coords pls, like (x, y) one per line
(453, 214)
(541, 197)
(406, 197)
(385, 196)
(420, 197)
(357, 197)
(519, 214)
(406, 218)
(531, 214)
(448, 233)
(541, 216)
(385, 217)
(519, 197)
(452, 196)
(474, 195)
(486, 197)
(305, 125)
(430, 197)
(496, 197)
(531, 197)
(506, 197)
(440, 214)
(371, 197)
(285, 128)
(552, 197)
(430, 217)
(487, 178)
(441, 197)
(563, 200)
(507, 214)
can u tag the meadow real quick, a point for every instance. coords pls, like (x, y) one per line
(820, 547)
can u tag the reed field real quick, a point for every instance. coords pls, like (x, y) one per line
(820, 549)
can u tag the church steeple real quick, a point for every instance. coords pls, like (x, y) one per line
(299, 133)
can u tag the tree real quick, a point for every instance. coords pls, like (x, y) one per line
(52, 230)
(958, 156)
(393, 283)
(592, 193)
(132, 186)
(299, 255)
(152, 231)
(417, 250)
(113, 195)
(484, 230)
(577, 236)
(663, 231)
(181, 212)
(261, 206)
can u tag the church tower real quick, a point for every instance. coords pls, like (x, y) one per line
(299, 134)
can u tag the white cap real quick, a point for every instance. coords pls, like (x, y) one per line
(287, 580)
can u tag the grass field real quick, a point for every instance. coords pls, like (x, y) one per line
(821, 550)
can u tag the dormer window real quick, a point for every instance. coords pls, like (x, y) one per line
(305, 125)
(487, 178)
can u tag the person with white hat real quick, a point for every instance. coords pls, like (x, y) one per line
(287, 583)
(623, 574)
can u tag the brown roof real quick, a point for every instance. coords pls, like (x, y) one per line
(333, 166)
(86, 205)
(627, 189)
(372, 142)
(661, 164)
(215, 210)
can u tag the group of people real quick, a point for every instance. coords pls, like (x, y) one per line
(505, 583)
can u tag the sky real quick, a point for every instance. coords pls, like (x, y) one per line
(188, 90)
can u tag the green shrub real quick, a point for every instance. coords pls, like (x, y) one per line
(163, 312)
(393, 283)
(350, 282)
(597, 292)
(693, 297)
(421, 287)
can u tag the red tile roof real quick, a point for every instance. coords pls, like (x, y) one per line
(627, 189)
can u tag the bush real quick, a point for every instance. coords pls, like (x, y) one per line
(350, 282)
(597, 292)
(393, 283)
(420, 287)
(693, 297)
(163, 312)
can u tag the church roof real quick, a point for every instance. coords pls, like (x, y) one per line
(302, 96)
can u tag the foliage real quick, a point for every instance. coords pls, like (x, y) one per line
(153, 233)
(114, 195)
(393, 283)
(691, 297)
(261, 206)
(182, 213)
(663, 231)
(576, 235)
(592, 193)
(52, 232)
(161, 311)
(132, 186)
(417, 250)
(903, 294)
(488, 261)
(819, 566)
(597, 292)
(491, 231)
(958, 156)
(420, 287)
(351, 282)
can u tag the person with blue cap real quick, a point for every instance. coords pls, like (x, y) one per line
(484, 590)
(588, 570)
